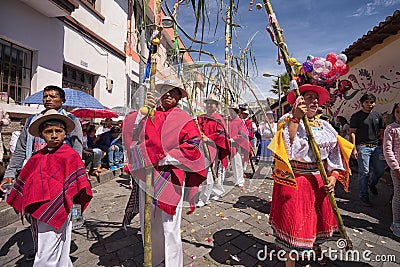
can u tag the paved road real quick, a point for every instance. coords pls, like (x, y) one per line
(230, 231)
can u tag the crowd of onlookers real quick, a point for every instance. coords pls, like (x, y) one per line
(102, 146)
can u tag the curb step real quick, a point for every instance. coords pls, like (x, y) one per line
(9, 216)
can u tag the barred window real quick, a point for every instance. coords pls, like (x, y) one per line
(15, 71)
(78, 79)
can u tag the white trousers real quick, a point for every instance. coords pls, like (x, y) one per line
(237, 168)
(166, 242)
(53, 246)
(208, 187)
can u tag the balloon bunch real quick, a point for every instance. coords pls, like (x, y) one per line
(320, 71)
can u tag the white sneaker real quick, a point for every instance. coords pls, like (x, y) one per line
(200, 203)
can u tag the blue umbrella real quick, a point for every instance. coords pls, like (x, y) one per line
(74, 98)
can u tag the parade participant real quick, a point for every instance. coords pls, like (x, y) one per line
(53, 98)
(366, 131)
(169, 143)
(251, 129)
(51, 181)
(267, 130)
(239, 144)
(4, 121)
(299, 194)
(391, 150)
(214, 133)
(343, 126)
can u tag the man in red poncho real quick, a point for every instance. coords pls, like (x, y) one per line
(214, 133)
(239, 144)
(52, 180)
(169, 143)
(251, 129)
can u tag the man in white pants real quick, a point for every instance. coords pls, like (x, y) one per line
(239, 144)
(168, 145)
(213, 129)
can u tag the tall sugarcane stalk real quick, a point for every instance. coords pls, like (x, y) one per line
(285, 56)
(145, 110)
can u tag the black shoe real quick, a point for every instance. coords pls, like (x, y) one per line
(366, 202)
(373, 190)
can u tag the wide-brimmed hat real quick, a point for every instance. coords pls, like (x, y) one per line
(51, 114)
(165, 86)
(234, 106)
(323, 94)
(212, 97)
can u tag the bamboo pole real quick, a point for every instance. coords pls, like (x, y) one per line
(285, 56)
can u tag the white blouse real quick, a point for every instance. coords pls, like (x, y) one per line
(326, 138)
(267, 132)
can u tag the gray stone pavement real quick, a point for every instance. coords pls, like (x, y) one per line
(230, 231)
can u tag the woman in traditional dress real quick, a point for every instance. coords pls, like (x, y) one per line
(301, 215)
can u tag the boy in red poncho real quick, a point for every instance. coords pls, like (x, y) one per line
(170, 144)
(215, 135)
(52, 180)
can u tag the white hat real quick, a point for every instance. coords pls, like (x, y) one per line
(165, 86)
(212, 97)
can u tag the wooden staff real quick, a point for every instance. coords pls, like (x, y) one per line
(285, 56)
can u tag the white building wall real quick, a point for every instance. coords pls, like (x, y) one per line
(34, 31)
(81, 50)
(53, 42)
(114, 27)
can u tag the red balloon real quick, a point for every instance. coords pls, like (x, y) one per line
(345, 85)
(344, 69)
(332, 57)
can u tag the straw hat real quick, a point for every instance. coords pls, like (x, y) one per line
(234, 106)
(323, 94)
(165, 86)
(212, 97)
(51, 114)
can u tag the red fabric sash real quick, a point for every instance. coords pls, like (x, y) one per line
(48, 185)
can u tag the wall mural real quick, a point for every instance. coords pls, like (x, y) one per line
(385, 85)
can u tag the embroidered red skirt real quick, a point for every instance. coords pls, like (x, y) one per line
(300, 217)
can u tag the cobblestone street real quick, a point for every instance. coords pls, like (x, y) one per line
(233, 230)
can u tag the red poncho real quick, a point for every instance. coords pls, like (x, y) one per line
(213, 126)
(48, 185)
(174, 133)
(238, 132)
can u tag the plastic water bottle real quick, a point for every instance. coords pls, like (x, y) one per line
(75, 212)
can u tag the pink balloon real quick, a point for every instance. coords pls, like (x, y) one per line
(327, 67)
(339, 64)
(332, 57)
(319, 66)
(315, 59)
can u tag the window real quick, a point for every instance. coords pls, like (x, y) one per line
(15, 71)
(78, 79)
(91, 2)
